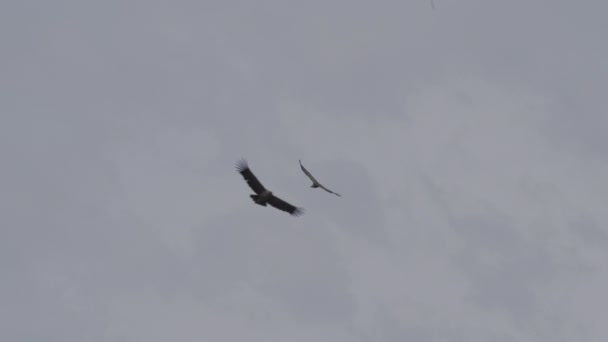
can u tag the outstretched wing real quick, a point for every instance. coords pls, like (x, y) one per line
(326, 189)
(282, 205)
(308, 173)
(251, 179)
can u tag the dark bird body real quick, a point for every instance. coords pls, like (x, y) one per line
(262, 195)
(315, 183)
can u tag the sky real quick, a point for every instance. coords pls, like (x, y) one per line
(468, 142)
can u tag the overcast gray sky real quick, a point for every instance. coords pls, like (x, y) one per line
(469, 144)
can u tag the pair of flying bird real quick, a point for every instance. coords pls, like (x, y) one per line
(264, 196)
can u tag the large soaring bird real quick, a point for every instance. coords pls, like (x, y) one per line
(315, 183)
(262, 195)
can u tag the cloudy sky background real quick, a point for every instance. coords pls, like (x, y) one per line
(469, 144)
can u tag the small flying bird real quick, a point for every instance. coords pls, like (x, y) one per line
(315, 183)
(264, 196)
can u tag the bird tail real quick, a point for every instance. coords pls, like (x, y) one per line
(255, 199)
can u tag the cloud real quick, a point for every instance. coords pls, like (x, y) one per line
(466, 142)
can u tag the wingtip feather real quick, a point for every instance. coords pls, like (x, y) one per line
(298, 212)
(242, 165)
